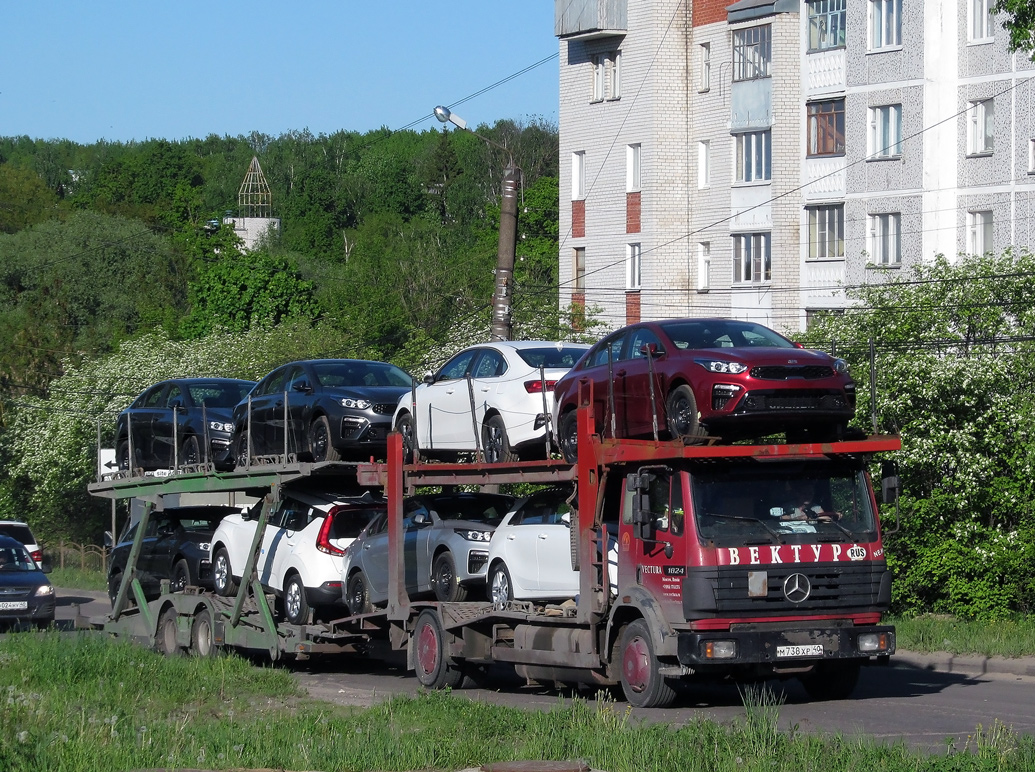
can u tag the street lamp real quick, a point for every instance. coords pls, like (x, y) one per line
(502, 326)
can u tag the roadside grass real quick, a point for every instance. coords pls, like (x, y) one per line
(78, 579)
(1013, 637)
(87, 702)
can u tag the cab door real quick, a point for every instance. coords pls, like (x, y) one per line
(654, 538)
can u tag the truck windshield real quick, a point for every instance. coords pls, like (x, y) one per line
(783, 503)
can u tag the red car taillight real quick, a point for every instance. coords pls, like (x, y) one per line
(323, 539)
(37, 555)
(536, 387)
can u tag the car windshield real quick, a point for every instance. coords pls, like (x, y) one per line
(17, 532)
(552, 356)
(486, 508)
(16, 559)
(783, 503)
(353, 374)
(217, 394)
(722, 333)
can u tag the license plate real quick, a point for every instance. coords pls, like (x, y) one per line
(14, 605)
(812, 650)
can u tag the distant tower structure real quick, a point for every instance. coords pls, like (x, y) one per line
(254, 208)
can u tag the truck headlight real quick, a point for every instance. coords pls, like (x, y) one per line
(720, 649)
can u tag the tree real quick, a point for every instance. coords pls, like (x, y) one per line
(24, 199)
(955, 364)
(1020, 23)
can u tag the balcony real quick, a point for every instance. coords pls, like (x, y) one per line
(587, 19)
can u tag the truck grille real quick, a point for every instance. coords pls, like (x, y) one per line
(834, 586)
(786, 372)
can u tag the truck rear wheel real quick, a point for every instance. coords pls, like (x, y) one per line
(832, 680)
(643, 685)
(165, 639)
(202, 635)
(434, 669)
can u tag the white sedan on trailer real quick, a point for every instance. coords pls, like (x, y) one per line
(504, 411)
(530, 552)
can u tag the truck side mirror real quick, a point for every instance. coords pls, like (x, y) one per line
(890, 487)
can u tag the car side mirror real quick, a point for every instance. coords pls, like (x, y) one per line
(652, 350)
(109, 540)
(176, 404)
(46, 567)
(420, 518)
(428, 378)
(302, 386)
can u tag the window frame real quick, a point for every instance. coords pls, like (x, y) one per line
(704, 164)
(579, 269)
(753, 156)
(885, 235)
(880, 11)
(633, 179)
(705, 82)
(980, 231)
(578, 175)
(752, 52)
(980, 22)
(822, 126)
(826, 235)
(835, 13)
(981, 127)
(749, 267)
(633, 267)
(704, 266)
(879, 145)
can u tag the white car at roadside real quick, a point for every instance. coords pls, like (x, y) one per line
(530, 552)
(300, 554)
(505, 409)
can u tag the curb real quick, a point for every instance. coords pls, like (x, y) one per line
(964, 664)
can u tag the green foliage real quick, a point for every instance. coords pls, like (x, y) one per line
(24, 199)
(955, 364)
(1019, 22)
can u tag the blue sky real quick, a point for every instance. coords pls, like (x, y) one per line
(121, 71)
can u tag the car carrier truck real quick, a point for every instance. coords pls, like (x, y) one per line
(719, 576)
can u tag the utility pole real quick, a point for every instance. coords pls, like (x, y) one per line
(502, 321)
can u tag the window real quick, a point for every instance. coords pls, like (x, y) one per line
(607, 76)
(632, 266)
(754, 156)
(826, 231)
(826, 127)
(704, 266)
(578, 175)
(826, 24)
(752, 52)
(704, 163)
(885, 23)
(980, 126)
(580, 269)
(632, 168)
(885, 131)
(752, 261)
(979, 232)
(1031, 156)
(885, 238)
(706, 67)
(981, 20)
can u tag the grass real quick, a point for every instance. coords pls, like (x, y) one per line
(78, 579)
(87, 702)
(929, 633)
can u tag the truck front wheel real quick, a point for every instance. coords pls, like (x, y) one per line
(435, 670)
(643, 685)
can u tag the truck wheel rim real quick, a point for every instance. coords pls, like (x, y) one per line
(636, 664)
(427, 649)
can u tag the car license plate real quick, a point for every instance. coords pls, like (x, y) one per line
(14, 605)
(812, 650)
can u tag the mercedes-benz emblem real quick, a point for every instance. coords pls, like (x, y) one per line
(797, 588)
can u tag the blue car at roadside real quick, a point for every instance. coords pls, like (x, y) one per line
(26, 595)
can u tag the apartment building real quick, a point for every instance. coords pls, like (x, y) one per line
(754, 159)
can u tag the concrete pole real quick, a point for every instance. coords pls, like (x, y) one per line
(502, 326)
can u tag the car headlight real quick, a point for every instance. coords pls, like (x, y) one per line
(476, 535)
(205, 547)
(840, 366)
(44, 590)
(219, 426)
(722, 366)
(358, 404)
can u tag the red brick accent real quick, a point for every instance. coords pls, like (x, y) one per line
(578, 311)
(632, 307)
(708, 12)
(578, 218)
(632, 212)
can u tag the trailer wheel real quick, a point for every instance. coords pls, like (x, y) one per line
(681, 413)
(165, 640)
(222, 574)
(567, 436)
(443, 576)
(296, 604)
(180, 576)
(643, 685)
(202, 635)
(832, 680)
(320, 447)
(358, 594)
(434, 669)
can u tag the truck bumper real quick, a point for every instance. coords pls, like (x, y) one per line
(792, 648)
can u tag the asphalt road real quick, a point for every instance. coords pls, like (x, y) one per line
(924, 708)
